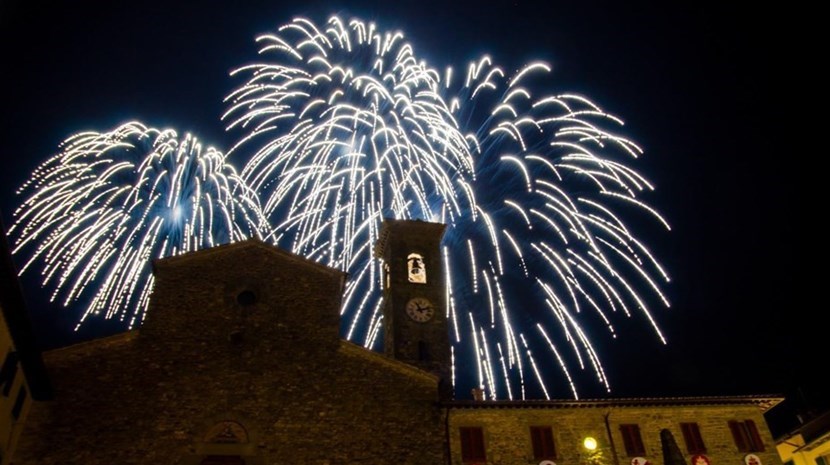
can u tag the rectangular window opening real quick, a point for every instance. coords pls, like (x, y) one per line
(693, 439)
(472, 444)
(543, 446)
(746, 436)
(632, 440)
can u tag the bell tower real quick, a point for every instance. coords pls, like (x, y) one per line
(415, 296)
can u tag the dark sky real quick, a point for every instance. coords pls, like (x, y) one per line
(712, 93)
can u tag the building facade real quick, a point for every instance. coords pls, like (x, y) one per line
(657, 431)
(239, 361)
(809, 444)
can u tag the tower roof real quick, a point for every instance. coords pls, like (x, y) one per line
(392, 225)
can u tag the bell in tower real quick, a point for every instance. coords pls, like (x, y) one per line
(415, 265)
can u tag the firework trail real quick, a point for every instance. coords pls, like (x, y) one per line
(98, 212)
(343, 125)
(348, 130)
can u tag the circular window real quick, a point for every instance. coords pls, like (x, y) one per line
(246, 298)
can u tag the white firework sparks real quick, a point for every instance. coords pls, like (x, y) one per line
(98, 212)
(343, 125)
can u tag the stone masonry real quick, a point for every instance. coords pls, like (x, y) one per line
(507, 440)
(239, 356)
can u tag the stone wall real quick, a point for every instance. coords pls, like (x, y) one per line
(271, 369)
(507, 431)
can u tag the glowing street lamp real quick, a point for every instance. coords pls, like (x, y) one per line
(590, 443)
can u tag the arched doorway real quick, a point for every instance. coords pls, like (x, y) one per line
(226, 443)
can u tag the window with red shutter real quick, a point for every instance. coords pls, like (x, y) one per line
(632, 440)
(746, 436)
(542, 439)
(739, 435)
(693, 439)
(472, 444)
(754, 436)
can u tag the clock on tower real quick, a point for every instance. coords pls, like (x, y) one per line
(414, 296)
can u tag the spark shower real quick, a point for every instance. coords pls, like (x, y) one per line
(341, 124)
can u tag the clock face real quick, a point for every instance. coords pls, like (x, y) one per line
(420, 309)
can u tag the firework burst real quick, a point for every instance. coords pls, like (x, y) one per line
(98, 212)
(341, 136)
(342, 126)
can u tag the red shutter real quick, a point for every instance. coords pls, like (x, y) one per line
(755, 437)
(632, 440)
(687, 437)
(739, 435)
(641, 449)
(693, 439)
(627, 441)
(542, 439)
(472, 444)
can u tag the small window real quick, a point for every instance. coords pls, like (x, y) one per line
(416, 268)
(633, 441)
(694, 441)
(8, 372)
(542, 439)
(386, 275)
(246, 298)
(472, 444)
(423, 352)
(746, 436)
(18, 403)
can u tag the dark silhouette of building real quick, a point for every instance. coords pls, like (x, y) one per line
(22, 374)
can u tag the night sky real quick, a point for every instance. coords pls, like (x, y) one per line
(710, 92)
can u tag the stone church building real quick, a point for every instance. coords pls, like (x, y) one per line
(239, 362)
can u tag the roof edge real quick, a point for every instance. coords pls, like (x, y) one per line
(351, 348)
(249, 242)
(764, 402)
